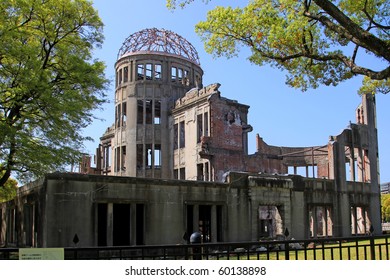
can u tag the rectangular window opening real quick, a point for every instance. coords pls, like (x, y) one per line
(173, 74)
(118, 116)
(180, 75)
(148, 71)
(182, 139)
(131, 71)
(157, 72)
(125, 74)
(149, 156)
(157, 156)
(186, 77)
(157, 112)
(360, 221)
(313, 171)
(200, 128)
(106, 156)
(123, 158)
(140, 162)
(182, 174)
(176, 174)
(200, 174)
(118, 159)
(206, 172)
(124, 113)
(320, 221)
(206, 124)
(148, 111)
(140, 72)
(140, 112)
(176, 136)
(120, 76)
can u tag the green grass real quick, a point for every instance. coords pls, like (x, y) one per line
(360, 250)
(345, 251)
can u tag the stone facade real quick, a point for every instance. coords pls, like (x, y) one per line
(114, 210)
(148, 82)
(176, 161)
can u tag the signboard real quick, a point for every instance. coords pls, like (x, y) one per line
(41, 253)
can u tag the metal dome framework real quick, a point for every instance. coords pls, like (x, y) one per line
(161, 41)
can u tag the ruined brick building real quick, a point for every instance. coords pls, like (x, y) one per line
(167, 125)
(176, 160)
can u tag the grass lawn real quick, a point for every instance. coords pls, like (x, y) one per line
(359, 250)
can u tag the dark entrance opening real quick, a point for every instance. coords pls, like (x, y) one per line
(190, 221)
(205, 222)
(102, 224)
(140, 224)
(121, 224)
(219, 224)
(265, 228)
(28, 224)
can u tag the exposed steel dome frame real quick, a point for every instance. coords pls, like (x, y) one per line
(159, 41)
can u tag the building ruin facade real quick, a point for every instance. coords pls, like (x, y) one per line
(154, 68)
(176, 161)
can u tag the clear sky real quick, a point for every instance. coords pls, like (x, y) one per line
(282, 116)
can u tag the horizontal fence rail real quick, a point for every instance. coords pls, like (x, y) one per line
(354, 248)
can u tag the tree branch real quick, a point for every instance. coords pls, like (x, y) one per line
(371, 19)
(355, 69)
(9, 163)
(351, 30)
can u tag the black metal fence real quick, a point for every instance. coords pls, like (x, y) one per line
(354, 248)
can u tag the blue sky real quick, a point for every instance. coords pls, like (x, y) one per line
(282, 116)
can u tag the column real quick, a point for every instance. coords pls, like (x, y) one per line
(110, 224)
(195, 220)
(214, 224)
(133, 224)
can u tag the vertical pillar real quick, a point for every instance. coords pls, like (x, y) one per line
(315, 222)
(110, 224)
(214, 224)
(360, 165)
(372, 172)
(342, 214)
(131, 135)
(254, 221)
(195, 221)
(352, 168)
(133, 225)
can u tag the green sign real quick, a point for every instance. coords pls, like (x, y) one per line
(41, 253)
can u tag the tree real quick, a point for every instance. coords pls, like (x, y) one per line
(385, 203)
(49, 83)
(315, 41)
(8, 192)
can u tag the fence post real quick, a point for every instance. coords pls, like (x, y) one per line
(287, 250)
(287, 244)
(372, 247)
(372, 243)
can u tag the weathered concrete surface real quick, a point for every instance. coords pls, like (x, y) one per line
(68, 204)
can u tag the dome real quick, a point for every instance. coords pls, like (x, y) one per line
(159, 41)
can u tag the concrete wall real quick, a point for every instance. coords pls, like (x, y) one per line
(68, 204)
